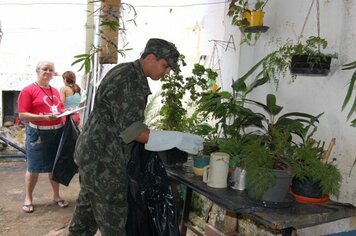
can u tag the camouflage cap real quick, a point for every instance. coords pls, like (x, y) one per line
(164, 49)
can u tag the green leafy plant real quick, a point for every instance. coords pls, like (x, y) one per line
(180, 94)
(86, 60)
(272, 143)
(239, 11)
(350, 90)
(180, 99)
(226, 109)
(276, 64)
(307, 164)
(173, 114)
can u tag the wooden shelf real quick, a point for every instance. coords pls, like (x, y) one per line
(283, 219)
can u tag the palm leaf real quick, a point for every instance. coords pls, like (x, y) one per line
(349, 90)
(348, 66)
(352, 110)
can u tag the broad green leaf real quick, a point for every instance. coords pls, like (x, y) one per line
(273, 108)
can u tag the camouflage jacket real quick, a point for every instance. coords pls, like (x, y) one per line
(117, 118)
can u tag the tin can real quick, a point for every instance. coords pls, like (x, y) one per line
(238, 179)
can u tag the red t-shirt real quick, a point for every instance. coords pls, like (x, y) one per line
(37, 100)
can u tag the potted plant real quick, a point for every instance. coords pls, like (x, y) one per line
(226, 110)
(308, 59)
(286, 57)
(314, 177)
(202, 83)
(265, 156)
(231, 118)
(175, 113)
(250, 21)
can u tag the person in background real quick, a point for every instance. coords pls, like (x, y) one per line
(71, 94)
(38, 104)
(103, 148)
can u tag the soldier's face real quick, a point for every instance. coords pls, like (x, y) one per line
(160, 68)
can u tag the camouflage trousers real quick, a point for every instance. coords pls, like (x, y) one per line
(101, 204)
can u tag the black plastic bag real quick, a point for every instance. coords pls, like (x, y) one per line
(151, 206)
(64, 167)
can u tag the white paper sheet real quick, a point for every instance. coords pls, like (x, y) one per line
(69, 112)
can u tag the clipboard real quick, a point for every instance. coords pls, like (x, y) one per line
(69, 112)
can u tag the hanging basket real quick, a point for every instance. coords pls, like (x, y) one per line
(310, 66)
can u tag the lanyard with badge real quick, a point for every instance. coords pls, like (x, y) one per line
(53, 108)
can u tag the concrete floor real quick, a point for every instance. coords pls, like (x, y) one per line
(47, 219)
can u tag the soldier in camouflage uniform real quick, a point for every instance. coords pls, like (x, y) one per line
(104, 146)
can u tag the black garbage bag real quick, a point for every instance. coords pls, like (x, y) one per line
(151, 206)
(64, 167)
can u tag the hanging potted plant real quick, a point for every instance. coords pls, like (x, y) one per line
(255, 17)
(250, 21)
(277, 63)
(309, 60)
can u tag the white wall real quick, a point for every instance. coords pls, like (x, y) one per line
(191, 25)
(311, 94)
(34, 31)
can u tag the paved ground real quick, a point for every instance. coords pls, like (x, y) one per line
(47, 219)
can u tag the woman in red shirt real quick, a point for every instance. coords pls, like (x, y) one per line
(38, 104)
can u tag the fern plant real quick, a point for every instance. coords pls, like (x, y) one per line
(306, 163)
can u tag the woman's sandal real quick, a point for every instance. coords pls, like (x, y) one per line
(62, 203)
(28, 208)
